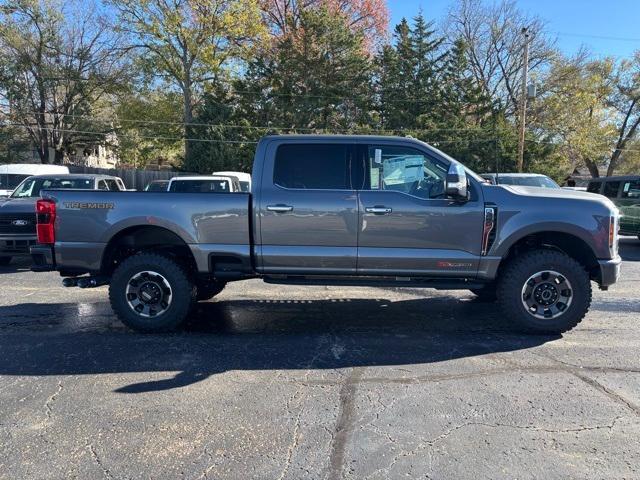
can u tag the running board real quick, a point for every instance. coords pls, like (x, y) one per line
(413, 282)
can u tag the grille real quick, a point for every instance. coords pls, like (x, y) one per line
(7, 223)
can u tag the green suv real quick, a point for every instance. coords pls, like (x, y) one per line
(625, 193)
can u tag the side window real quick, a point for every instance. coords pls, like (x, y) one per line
(102, 185)
(594, 187)
(405, 170)
(312, 166)
(611, 189)
(112, 184)
(631, 189)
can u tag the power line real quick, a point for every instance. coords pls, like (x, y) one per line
(598, 37)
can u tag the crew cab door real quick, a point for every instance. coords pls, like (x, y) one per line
(308, 221)
(407, 225)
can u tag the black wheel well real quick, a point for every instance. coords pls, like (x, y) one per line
(567, 243)
(132, 240)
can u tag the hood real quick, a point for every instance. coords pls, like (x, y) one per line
(19, 205)
(559, 194)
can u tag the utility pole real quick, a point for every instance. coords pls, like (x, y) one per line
(523, 110)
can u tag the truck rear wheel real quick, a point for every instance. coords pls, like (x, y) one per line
(544, 291)
(150, 293)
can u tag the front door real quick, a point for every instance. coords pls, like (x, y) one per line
(407, 226)
(308, 210)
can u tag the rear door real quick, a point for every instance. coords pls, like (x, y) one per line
(629, 204)
(308, 209)
(407, 226)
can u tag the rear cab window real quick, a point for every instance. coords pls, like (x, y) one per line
(611, 189)
(594, 187)
(313, 166)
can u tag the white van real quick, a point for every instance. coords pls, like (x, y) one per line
(11, 175)
(243, 178)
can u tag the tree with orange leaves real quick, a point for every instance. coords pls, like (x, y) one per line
(368, 17)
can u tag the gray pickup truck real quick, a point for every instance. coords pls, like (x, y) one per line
(337, 210)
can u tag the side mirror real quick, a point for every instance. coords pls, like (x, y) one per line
(456, 187)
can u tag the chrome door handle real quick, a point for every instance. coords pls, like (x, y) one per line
(279, 208)
(378, 210)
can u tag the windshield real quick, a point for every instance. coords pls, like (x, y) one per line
(200, 186)
(9, 181)
(32, 186)
(533, 181)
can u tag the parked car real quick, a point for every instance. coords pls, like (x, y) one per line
(243, 178)
(338, 210)
(203, 184)
(624, 192)
(18, 213)
(13, 174)
(522, 179)
(157, 186)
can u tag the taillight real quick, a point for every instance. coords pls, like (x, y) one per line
(46, 216)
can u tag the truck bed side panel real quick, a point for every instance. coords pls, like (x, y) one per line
(207, 222)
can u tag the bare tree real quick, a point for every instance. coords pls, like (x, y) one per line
(626, 102)
(492, 33)
(56, 60)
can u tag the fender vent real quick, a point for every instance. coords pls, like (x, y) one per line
(489, 229)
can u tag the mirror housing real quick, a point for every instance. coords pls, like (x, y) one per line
(457, 184)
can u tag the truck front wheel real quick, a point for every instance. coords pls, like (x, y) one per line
(544, 291)
(151, 293)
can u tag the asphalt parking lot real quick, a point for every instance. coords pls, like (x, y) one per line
(273, 382)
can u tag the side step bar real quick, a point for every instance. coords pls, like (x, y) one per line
(413, 282)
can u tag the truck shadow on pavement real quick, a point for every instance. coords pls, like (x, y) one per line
(227, 335)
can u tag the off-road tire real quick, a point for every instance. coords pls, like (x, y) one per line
(516, 273)
(182, 288)
(207, 290)
(4, 261)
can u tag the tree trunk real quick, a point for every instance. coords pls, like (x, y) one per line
(188, 119)
(593, 168)
(58, 156)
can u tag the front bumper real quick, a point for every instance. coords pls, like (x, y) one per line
(16, 244)
(42, 258)
(609, 271)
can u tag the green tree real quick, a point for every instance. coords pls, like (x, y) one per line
(316, 77)
(188, 43)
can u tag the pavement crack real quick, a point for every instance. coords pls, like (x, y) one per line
(96, 459)
(301, 394)
(51, 399)
(608, 392)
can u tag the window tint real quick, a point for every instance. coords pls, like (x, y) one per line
(102, 185)
(200, 186)
(631, 189)
(11, 180)
(611, 189)
(112, 184)
(312, 166)
(32, 187)
(594, 187)
(405, 170)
